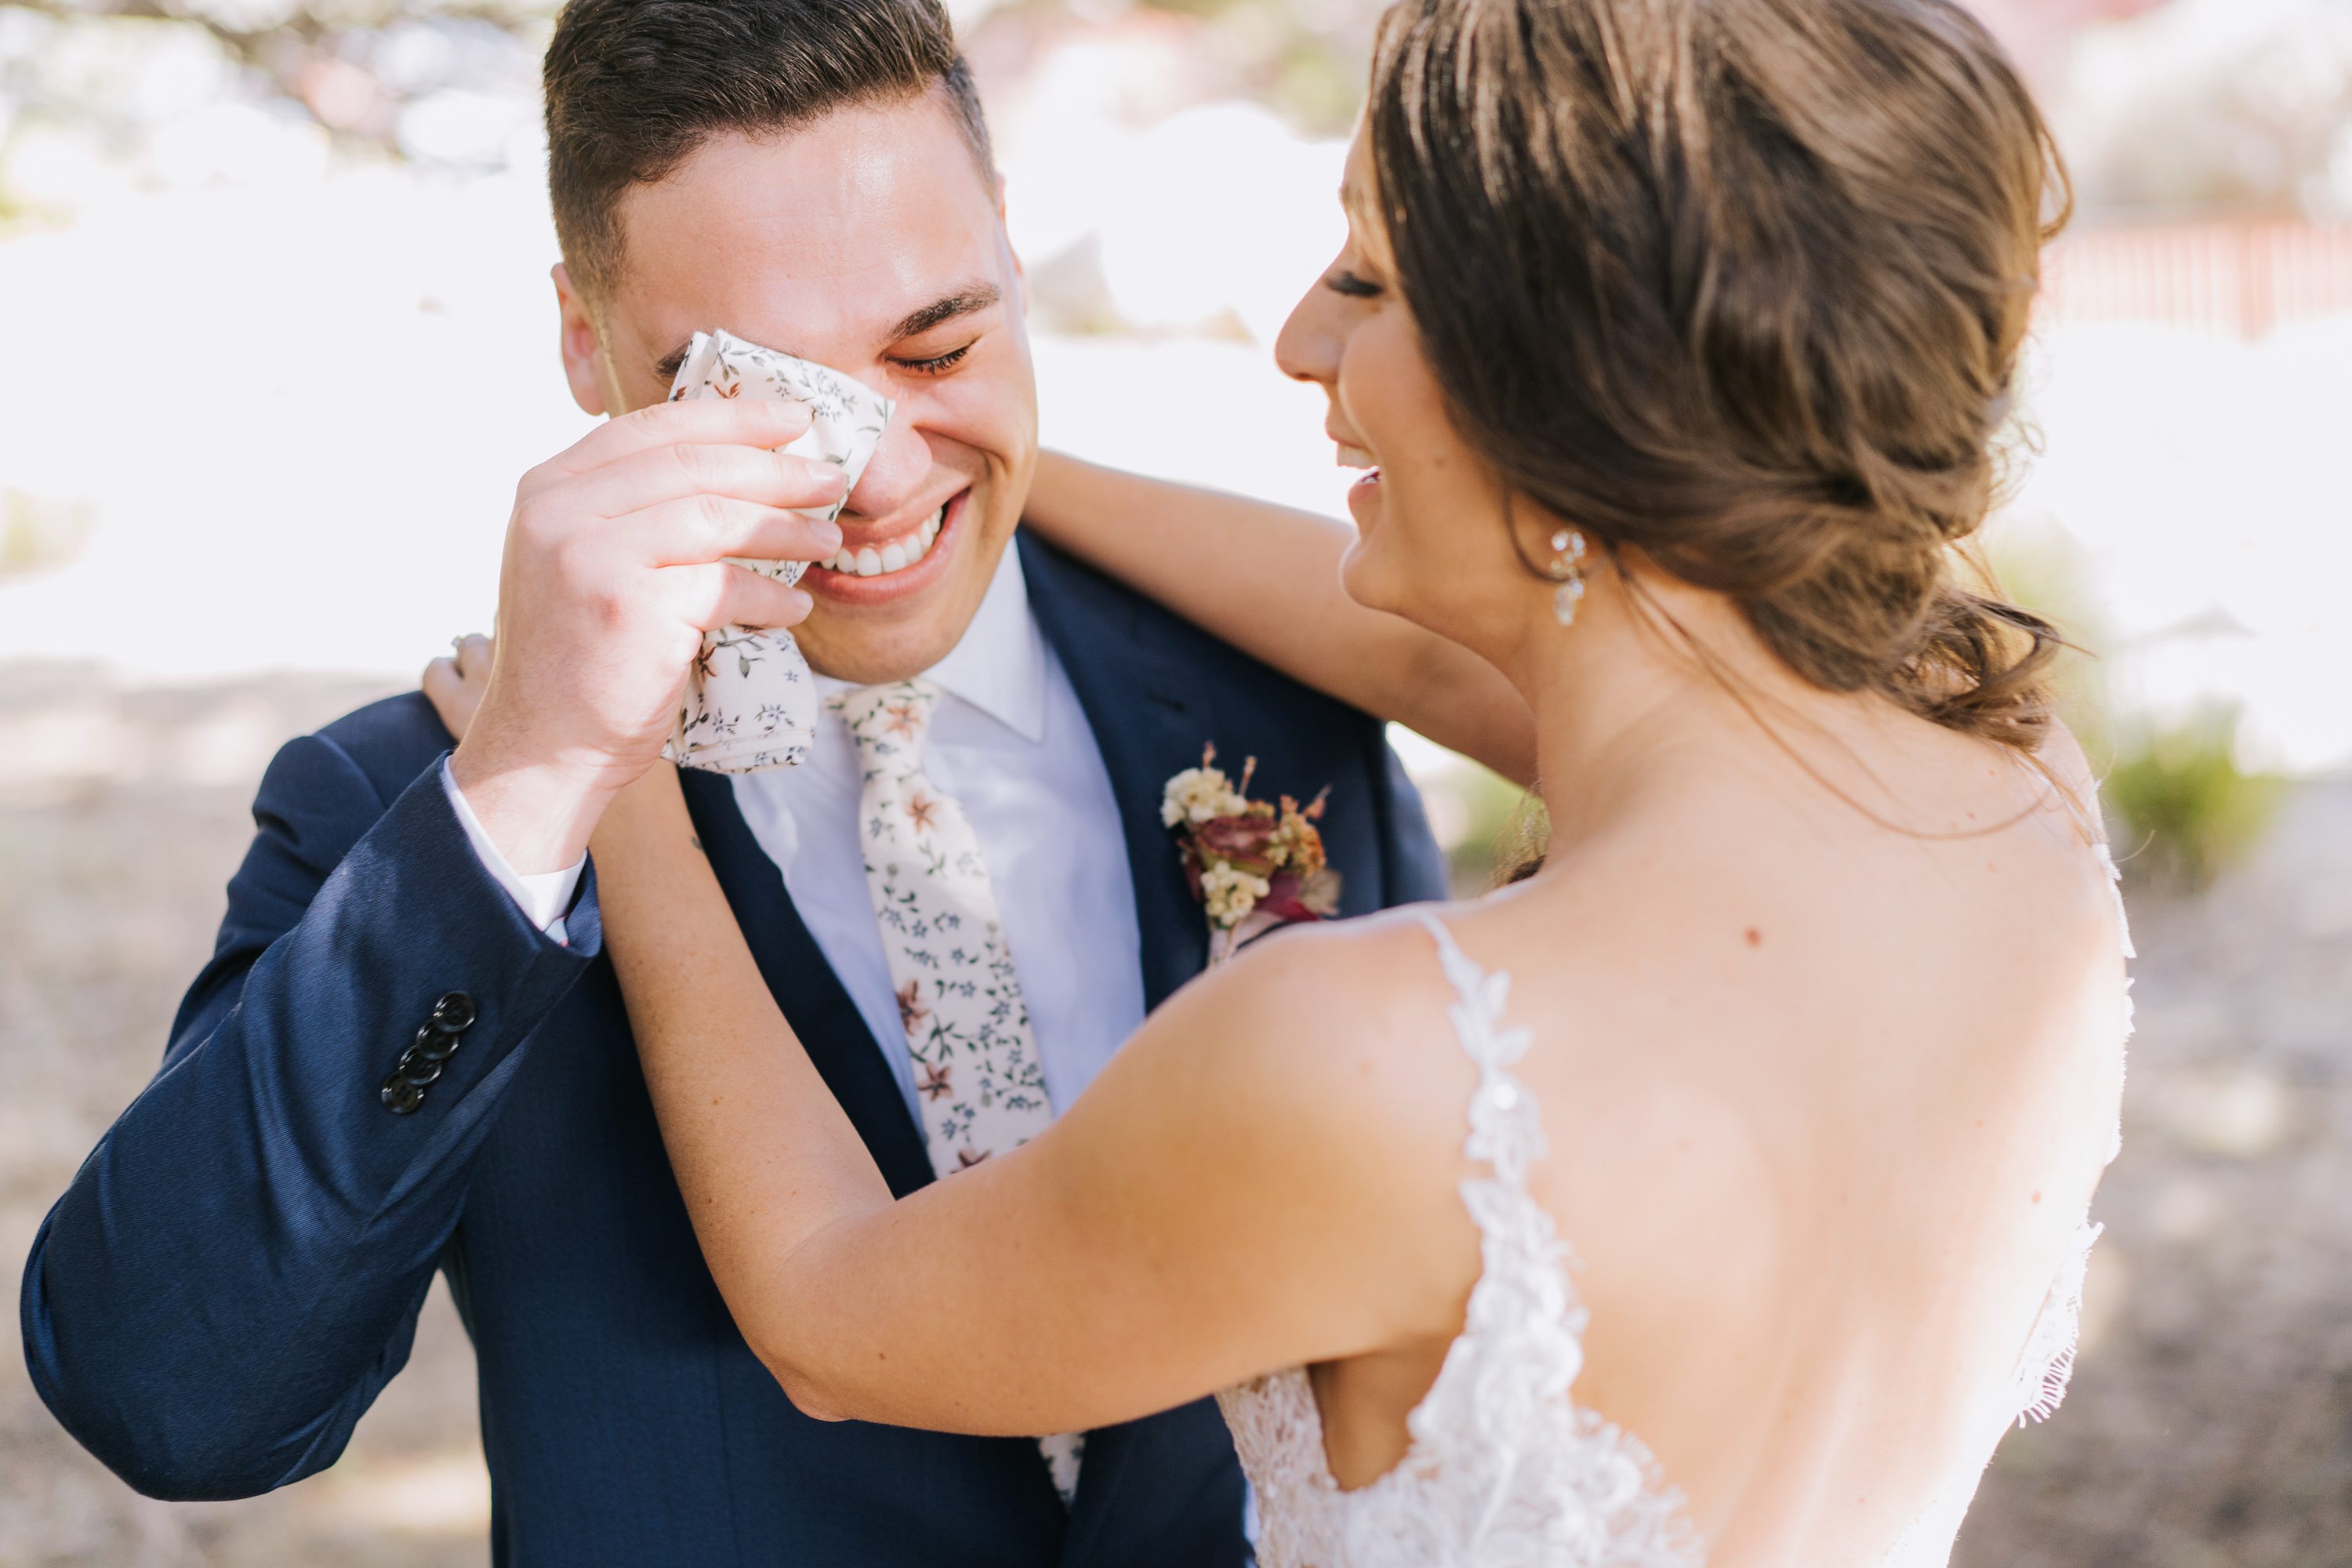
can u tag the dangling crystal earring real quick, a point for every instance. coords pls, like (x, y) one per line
(1567, 570)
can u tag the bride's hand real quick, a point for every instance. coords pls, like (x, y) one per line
(455, 682)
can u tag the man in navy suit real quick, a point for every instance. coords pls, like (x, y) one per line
(407, 1055)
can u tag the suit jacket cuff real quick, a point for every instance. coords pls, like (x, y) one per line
(542, 896)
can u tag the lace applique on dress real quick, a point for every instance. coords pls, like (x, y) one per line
(1503, 1471)
(2046, 1365)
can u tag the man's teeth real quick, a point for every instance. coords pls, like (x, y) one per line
(895, 556)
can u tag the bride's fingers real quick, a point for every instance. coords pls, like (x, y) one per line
(473, 657)
(454, 696)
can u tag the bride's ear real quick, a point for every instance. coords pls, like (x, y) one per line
(584, 348)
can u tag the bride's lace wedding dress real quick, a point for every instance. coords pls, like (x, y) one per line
(1504, 1469)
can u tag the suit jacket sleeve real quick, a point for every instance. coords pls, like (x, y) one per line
(235, 1271)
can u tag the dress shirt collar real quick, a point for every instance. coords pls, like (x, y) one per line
(999, 664)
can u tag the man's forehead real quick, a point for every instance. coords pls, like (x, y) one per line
(846, 230)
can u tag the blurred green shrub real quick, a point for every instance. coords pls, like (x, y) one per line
(2184, 808)
(2183, 804)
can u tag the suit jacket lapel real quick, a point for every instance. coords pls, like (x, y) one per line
(814, 1000)
(1150, 717)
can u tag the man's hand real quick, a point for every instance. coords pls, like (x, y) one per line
(614, 570)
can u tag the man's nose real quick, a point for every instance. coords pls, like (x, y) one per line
(895, 476)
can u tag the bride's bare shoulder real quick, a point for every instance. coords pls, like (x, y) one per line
(1330, 1044)
(1342, 1038)
(1348, 1002)
(1311, 1091)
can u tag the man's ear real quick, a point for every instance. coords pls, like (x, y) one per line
(583, 346)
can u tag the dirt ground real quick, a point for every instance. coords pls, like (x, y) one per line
(2210, 1425)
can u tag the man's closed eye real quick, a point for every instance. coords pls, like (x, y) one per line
(939, 364)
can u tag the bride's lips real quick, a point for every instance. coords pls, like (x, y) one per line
(827, 581)
(1367, 488)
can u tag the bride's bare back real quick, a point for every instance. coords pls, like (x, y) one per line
(1825, 1103)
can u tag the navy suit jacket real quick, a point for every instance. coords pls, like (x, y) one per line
(236, 1270)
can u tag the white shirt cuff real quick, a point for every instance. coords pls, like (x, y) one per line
(542, 896)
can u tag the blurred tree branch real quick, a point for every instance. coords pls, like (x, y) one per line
(348, 65)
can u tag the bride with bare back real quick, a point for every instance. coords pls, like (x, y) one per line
(1718, 1189)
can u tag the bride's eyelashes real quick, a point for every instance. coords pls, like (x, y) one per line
(1353, 285)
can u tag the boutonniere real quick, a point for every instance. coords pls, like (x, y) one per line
(1254, 865)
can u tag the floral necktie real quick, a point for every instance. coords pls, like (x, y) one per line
(977, 1075)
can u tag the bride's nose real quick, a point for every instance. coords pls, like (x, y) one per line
(1308, 349)
(901, 464)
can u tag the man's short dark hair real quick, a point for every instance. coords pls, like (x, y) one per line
(634, 86)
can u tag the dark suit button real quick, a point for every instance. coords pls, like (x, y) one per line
(400, 1097)
(415, 1069)
(431, 1046)
(454, 1013)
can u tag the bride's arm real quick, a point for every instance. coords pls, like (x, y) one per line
(1265, 578)
(1212, 1208)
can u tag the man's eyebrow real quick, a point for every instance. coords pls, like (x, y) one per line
(962, 302)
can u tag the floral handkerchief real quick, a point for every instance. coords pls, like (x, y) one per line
(751, 702)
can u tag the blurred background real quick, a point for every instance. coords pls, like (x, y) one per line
(275, 341)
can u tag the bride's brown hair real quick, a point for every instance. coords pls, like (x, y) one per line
(1740, 284)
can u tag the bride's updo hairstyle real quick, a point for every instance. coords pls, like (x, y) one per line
(1739, 284)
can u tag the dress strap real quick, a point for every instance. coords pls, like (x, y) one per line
(1505, 1124)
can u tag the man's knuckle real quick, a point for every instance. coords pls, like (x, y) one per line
(544, 517)
(654, 419)
(578, 563)
(607, 608)
(715, 517)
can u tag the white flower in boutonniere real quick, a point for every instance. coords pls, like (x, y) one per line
(1254, 865)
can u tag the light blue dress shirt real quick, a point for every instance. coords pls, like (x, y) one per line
(1012, 745)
